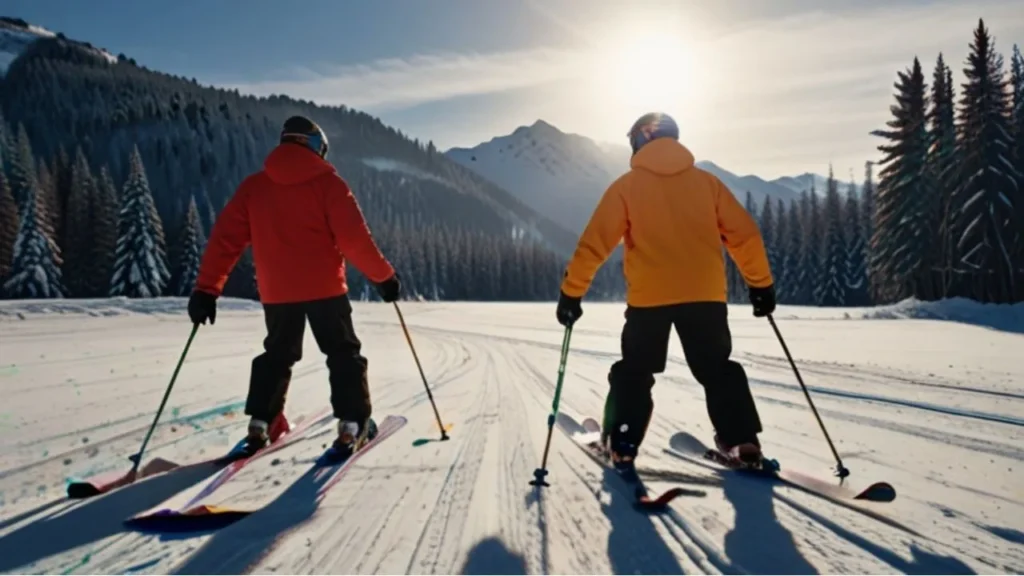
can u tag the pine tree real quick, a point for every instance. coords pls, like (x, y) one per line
(241, 282)
(1017, 81)
(791, 249)
(811, 244)
(904, 219)
(105, 208)
(778, 242)
(8, 226)
(78, 259)
(768, 226)
(987, 197)
(47, 186)
(61, 169)
(856, 278)
(140, 266)
(942, 172)
(189, 253)
(7, 146)
(867, 222)
(740, 293)
(831, 287)
(22, 169)
(35, 268)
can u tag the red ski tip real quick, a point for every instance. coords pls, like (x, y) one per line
(103, 483)
(645, 502)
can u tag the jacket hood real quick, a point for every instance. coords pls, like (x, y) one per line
(294, 164)
(664, 157)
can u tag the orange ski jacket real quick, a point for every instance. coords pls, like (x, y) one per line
(302, 221)
(674, 219)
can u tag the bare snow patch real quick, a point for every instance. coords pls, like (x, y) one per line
(1006, 317)
(391, 165)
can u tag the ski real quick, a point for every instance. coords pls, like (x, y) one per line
(335, 464)
(237, 459)
(203, 512)
(683, 444)
(589, 440)
(234, 459)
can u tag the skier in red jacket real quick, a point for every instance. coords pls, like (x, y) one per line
(303, 223)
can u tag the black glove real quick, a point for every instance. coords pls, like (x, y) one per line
(569, 310)
(202, 307)
(389, 289)
(762, 299)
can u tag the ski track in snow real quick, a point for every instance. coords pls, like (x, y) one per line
(934, 407)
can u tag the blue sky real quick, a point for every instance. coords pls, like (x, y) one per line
(771, 88)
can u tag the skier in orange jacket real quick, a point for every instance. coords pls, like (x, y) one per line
(303, 223)
(674, 219)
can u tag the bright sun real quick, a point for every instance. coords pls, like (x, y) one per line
(648, 70)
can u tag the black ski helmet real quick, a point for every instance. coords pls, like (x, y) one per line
(302, 130)
(651, 126)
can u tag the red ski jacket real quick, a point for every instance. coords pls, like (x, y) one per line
(302, 221)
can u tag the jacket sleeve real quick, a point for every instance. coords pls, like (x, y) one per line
(602, 234)
(351, 234)
(229, 237)
(742, 238)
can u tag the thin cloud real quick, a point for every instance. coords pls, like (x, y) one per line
(406, 82)
(791, 85)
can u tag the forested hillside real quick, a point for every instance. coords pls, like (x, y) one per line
(115, 168)
(946, 216)
(124, 166)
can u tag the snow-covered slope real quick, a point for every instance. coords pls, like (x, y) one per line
(934, 407)
(563, 175)
(557, 174)
(16, 35)
(759, 188)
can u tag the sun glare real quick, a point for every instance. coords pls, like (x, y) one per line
(648, 70)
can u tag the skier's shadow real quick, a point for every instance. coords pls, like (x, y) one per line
(234, 549)
(491, 556)
(634, 545)
(922, 562)
(757, 540)
(80, 523)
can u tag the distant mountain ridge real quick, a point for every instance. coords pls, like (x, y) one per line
(562, 175)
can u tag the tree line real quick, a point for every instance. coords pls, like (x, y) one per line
(113, 175)
(155, 157)
(946, 217)
(66, 231)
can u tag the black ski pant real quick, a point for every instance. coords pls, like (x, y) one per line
(703, 330)
(330, 320)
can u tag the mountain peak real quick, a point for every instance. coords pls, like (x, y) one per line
(563, 175)
(540, 128)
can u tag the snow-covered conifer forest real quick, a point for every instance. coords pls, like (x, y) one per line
(123, 170)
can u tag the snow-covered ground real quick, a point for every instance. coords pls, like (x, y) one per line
(936, 407)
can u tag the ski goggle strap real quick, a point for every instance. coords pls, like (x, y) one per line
(316, 142)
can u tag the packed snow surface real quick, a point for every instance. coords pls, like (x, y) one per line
(927, 397)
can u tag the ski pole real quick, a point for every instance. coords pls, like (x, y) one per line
(841, 470)
(137, 458)
(540, 473)
(444, 434)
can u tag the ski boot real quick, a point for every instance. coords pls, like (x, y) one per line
(746, 454)
(261, 434)
(352, 436)
(621, 452)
